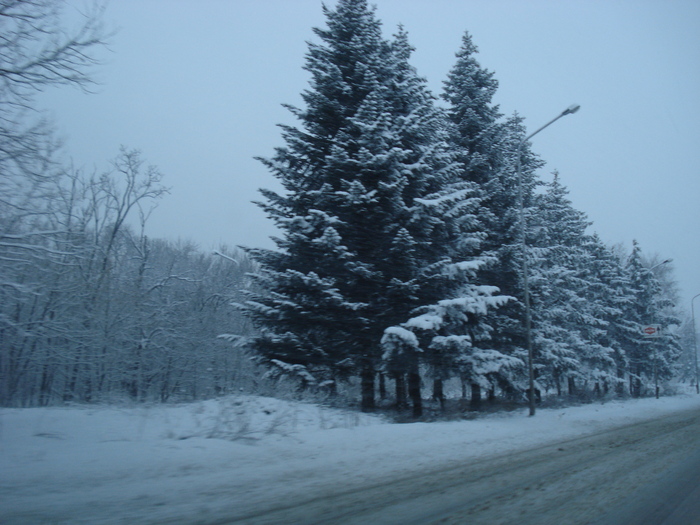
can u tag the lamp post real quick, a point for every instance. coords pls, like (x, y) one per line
(662, 262)
(695, 344)
(526, 288)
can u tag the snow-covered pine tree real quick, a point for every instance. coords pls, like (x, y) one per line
(442, 332)
(561, 314)
(506, 238)
(640, 312)
(449, 220)
(487, 148)
(359, 250)
(650, 359)
(454, 334)
(668, 348)
(606, 295)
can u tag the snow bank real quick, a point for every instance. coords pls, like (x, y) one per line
(235, 455)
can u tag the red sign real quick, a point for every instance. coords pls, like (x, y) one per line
(653, 330)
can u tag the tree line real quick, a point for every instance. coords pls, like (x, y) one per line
(398, 264)
(91, 308)
(399, 260)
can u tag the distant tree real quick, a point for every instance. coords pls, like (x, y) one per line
(607, 296)
(687, 361)
(60, 316)
(668, 348)
(561, 313)
(90, 307)
(35, 54)
(650, 359)
(173, 303)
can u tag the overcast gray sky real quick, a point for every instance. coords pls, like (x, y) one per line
(197, 85)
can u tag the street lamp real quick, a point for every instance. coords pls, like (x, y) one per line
(526, 288)
(695, 344)
(662, 262)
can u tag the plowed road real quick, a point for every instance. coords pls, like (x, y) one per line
(642, 474)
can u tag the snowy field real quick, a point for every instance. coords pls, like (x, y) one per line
(199, 462)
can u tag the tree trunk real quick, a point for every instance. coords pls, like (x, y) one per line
(475, 403)
(636, 386)
(635, 383)
(439, 392)
(491, 396)
(45, 386)
(414, 391)
(620, 385)
(557, 381)
(367, 385)
(400, 380)
(333, 388)
(382, 386)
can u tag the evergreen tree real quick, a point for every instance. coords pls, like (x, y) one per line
(361, 248)
(507, 239)
(567, 320)
(640, 312)
(555, 288)
(455, 334)
(469, 90)
(487, 147)
(651, 359)
(456, 236)
(607, 295)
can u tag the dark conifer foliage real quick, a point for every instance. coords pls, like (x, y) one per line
(401, 250)
(649, 359)
(400, 255)
(487, 147)
(561, 313)
(363, 241)
(469, 90)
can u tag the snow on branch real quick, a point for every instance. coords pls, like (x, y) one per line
(287, 369)
(397, 341)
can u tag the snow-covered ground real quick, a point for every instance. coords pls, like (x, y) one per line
(236, 455)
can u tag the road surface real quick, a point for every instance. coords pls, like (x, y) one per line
(643, 474)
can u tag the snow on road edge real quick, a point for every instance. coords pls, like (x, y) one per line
(113, 465)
